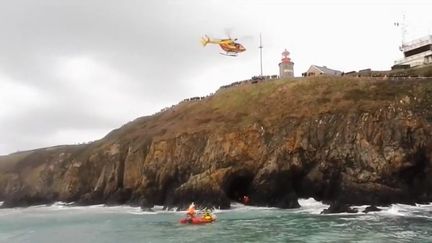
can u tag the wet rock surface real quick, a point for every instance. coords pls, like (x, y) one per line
(371, 208)
(337, 207)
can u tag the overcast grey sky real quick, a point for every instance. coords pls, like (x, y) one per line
(72, 70)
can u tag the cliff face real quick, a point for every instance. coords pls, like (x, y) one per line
(354, 141)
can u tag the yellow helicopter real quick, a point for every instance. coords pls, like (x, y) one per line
(230, 46)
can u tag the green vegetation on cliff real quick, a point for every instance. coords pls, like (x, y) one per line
(273, 101)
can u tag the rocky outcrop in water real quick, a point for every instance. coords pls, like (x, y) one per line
(338, 207)
(371, 208)
(350, 141)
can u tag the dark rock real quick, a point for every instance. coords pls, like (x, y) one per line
(121, 196)
(371, 208)
(145, 205)
(90, 198)
(288, 201)
(339, 208)
(26, 201)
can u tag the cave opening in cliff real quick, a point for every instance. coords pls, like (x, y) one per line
(239, 187)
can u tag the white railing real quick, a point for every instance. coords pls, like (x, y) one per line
(408, 46)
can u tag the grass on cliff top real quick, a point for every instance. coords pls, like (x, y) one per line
(270, 102)
(7, 162)
(11, 162)
(309, 96)
(422, 71)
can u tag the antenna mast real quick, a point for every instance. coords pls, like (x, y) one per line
(261, 47)
(403, 27)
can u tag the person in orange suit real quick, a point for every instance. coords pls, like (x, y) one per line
(191, 211)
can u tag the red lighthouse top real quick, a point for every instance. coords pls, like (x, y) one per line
(285, 58)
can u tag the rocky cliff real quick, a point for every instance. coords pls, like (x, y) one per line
(349, 140)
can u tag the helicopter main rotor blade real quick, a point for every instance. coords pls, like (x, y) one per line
(228, 32)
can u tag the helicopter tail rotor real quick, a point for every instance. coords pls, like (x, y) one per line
(205, 40)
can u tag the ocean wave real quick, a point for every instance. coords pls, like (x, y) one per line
(313, 206)
(424, 205)
(307, 206)
(38, 206)
(310, 202)
(395, 209)
(61, 205)
(310, 205)
(404, 210)
(98, 208)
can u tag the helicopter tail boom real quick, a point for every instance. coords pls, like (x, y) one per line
(205, 40)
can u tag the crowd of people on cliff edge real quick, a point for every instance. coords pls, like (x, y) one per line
(253, 80)
(257, 79)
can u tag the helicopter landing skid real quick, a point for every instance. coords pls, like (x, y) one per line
(230, 55)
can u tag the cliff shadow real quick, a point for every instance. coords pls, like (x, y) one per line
(238, 186)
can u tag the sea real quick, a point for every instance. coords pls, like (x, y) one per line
(62, 222)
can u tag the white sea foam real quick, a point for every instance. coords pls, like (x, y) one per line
(310, 202)
(39, 206)
(1, 203)
(98, 208)
(57, 206)
(395, 209)
(61, 205)
(313, 206)
(424, 205)
(399, 210)
(310, 205)
(235, 206)
(159, 208)
(135, 210)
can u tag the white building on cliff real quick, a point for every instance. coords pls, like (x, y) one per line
(315, 70)
(417, 52)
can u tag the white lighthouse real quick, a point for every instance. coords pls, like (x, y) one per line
(286, 66)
